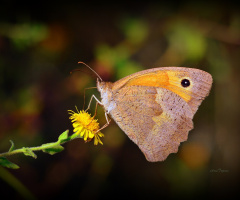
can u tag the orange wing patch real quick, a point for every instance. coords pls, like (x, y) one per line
(153, 79)
(163, 79)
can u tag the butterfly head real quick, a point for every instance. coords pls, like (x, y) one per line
(103, 86)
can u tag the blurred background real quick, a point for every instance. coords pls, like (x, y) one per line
(41, 43)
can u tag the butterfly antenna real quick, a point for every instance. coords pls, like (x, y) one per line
(90, 69)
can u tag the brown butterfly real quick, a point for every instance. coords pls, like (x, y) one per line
(155, 107)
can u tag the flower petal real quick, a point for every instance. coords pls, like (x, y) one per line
(91, 134)
(82, 133)
(85, 135)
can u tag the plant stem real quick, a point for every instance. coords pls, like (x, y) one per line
(21, 150)
(54, 147)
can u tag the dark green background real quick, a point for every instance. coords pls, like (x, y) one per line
(40, 43)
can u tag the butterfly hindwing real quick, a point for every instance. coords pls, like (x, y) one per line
(149, 119)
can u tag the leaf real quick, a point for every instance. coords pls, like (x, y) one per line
(6, 163)
(63, 137)
(12, 146)
(53, 150)
(29, 152)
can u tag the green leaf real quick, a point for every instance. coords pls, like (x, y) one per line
(63, 137)
(29, 152)
(53, 150)
(12, 146)
(6, 163)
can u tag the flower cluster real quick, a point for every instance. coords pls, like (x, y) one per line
(85, 126)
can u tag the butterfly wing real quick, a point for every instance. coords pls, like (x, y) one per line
(170, 78)
(152, 119)
(154, 109)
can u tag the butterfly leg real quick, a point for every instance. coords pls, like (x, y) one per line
(84, 95)
(105, 125)
(98, 102)
(106, 116)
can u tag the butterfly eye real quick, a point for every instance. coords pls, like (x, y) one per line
(185, 83)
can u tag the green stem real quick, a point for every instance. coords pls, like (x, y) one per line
(21, 150)
(61, 140)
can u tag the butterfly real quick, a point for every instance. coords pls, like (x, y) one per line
(155, 107)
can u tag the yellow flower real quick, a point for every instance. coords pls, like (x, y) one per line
(85, 126)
